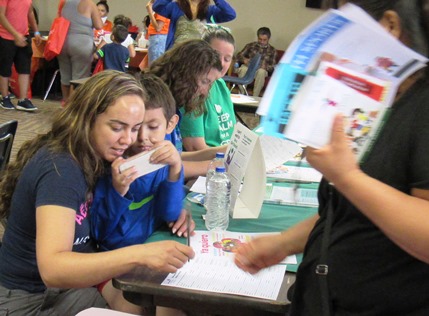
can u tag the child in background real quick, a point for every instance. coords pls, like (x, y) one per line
(128, 42)
(126, 210)
(114, 55)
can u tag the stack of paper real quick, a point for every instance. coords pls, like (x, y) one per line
(344, 62)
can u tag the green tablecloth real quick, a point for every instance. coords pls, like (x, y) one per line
(273, 218)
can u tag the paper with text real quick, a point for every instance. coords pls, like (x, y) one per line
(221, 275)
(223, 243)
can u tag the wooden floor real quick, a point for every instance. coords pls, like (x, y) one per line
(30, 123)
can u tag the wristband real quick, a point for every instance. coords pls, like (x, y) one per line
(37, 33)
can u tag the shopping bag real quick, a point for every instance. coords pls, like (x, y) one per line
(57, 34)
(99, 66)
(56, 38)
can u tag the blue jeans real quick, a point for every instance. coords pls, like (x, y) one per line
(156, 46)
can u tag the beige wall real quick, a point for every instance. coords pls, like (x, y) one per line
(285, 18)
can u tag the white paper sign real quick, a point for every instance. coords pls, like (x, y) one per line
(246, 169)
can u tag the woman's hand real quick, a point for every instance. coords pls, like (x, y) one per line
(261, 253)
(165, 256)
(336, 161)
(121, 180)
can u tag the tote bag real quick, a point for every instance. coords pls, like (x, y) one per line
(57, 35)
(99, 66)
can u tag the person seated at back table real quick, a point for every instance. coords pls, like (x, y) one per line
(114, 55)
(126, 210)
(268, 59)
(189, 69)
(215, 126)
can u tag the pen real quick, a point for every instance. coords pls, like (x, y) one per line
(188, 228)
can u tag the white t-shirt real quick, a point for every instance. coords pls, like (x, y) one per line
(128, 41)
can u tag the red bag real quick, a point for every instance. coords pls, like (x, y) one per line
(57, 35)
(99, 66)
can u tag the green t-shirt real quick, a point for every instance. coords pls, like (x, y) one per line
(217, 123)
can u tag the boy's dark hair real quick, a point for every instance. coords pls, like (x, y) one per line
(264, 31)
(119, 33)
(158, 95)
(122, 20)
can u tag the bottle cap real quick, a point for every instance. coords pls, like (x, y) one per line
(220, 155)
(220, 169)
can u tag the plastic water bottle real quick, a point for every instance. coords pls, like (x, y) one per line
(218, 161)
(217, 201)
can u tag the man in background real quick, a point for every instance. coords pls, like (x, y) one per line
(15, 48)
(268, 59)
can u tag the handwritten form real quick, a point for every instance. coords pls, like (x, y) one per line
(221, 275)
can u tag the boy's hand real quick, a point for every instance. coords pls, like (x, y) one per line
(121, 180)
(167, 154)
(180, 226)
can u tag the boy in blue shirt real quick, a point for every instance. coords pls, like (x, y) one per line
(126, 210)
(115, 56)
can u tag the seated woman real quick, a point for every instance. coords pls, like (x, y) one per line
(215, 126)
(189, 69)
(49, 262)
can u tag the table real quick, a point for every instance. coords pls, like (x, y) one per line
(142, 286)
(245, 104)
(137, 59)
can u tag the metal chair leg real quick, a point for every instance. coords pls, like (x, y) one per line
(50, 84)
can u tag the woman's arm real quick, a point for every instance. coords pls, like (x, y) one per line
(194, 143)
(164, 7)
(97, 23)
(62, 268)
(221, 12)
(269, 250)
(403, 218)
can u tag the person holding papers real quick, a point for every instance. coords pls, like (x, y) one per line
(366, 252)
(126, 210)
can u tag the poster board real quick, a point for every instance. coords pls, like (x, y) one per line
(246, 169)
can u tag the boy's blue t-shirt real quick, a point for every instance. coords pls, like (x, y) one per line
(114, 55)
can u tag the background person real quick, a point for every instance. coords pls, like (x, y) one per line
(115, 56)
(377, 254)
(157, 33)
(187, 17)
(103, 8)
(120, 19)
(15, 49)
(75, 59)
(268, 59)
(48, 262)
(215, 126)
